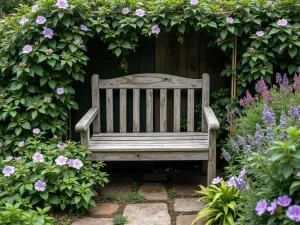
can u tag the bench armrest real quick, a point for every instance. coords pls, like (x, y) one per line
(212, 121)
(86, 120)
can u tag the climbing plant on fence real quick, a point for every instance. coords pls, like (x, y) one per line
(42, 48)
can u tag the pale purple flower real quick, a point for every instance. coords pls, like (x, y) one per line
(293, 213)
(219, 39)
(284, 201)
(40, 186)
(9, 158)
(35, 8)
(241, 185)
(83, 27)
(140, 12)
(48, 33)
(77, 164)
(229, 20)
(231, 182)
(36, 131)
(8, 170)
(155, 29)
(62, 146)
(60, 91)
(125, 11)
(21, 144)
(194, 2)
(298, 174)
(285, 80)
(261, 207)
(37, 157)
(270, 4)
(61, 160)
(282, 23)
(226, 155)
(260, 33)
(40, 20)
(272, 208)
(70, 163)
(49, 51)
(27, 49)
(278, 78)
(217, 180)
(24, 21)
(234, 145)
(243, 174)
(62, 4)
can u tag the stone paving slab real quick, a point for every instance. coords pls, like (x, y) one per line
(147, 214)
(94, 221)
(186, 189)
(153, 191)
(106, 209)
(187, 220)
(187, 205)
(118, 186)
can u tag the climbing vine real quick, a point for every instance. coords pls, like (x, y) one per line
(42, 47)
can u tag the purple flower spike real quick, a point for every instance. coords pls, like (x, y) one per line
(231, 182)
(296, 85)
(125, 11)
(278, 78)
(229, 20)
(261, 207)
(272, 208)
(40, 186)
(293, 111)
(293, 213)
(226, 155)
(284, 201)
(217, 180)
(48, 33)
(243, 174)
(283, 123)
(285, 80)
(269, 116)
(155, 29)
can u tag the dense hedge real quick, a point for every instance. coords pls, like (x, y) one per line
(42, 48)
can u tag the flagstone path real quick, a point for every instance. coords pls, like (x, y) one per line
(157, 209)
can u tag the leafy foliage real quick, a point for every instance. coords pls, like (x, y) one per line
(66, 186)
(221, 204)
(120, 220)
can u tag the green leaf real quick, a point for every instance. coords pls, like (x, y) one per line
(77, 199)
(38, 70)
(43, 81)
(66, 22)
(287, 170)
(44, 195)
(295, 186)
(293, 51)
(51, 84)
(26, 126)
(140, 22)
(224, 33)
(181, 27)
(126, 45)
(292, 68)
(42, 58)
(18, 131)
(118, 52)
(282, 36)
(54, 199)
(34, 114)
(231, 29)
(212, 24)
(112, 46)
(296, 154)
(277, 155)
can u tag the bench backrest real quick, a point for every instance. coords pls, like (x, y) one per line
(152, 81)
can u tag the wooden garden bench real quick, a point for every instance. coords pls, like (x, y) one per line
(163, 145)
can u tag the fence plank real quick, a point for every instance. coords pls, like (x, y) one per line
(177, 100)
(136, 110)
(123, 108)
(149, 107)
(190, 110)
(163, 110)
(109, 111)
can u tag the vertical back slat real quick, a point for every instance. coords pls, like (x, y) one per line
(109, 111)
(96, 102)
(190, 110)
(149, 107)
(136, 110)
(177, 100)
(123, 117)
(205, 99)
(163, 110)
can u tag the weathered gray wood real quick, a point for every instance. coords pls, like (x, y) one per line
(205, 99)
(136, 110)
(190, 110)
(123, 110)
(163, 110)
(109, 111)
(177, 93)
(150, 81)
(149, 109)
(211, 119)
(85, 138)
(86, 120)
(211, 167)
(161, 142)
(147, 156)
(96, 103)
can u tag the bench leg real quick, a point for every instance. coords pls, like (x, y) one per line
(211, 167)
(85, 138)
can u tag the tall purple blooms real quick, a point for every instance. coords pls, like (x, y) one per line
(296, 85)
(226, 155)
(283, 123)
(293, 112)
(234, 145)
(268, 116)
(262, 89)
(247, 100)
(217, 180)
(278, 78)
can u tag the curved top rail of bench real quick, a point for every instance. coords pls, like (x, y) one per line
(150, 81)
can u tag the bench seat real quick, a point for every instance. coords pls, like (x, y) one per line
(149, 146)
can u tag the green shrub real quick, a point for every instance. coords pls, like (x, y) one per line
(120, 220)
(221, 204)
(7, 7)
(13, 214)
(48, 172)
